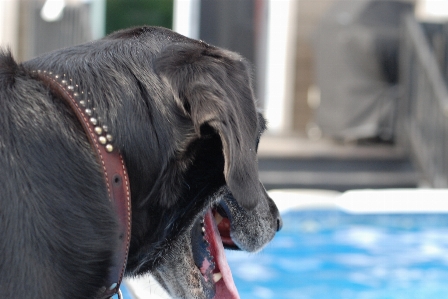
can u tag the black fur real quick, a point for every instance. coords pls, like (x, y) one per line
(183, 116)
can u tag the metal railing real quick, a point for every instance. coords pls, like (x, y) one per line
(422, 126)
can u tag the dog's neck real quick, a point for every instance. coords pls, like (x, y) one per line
(113, 166)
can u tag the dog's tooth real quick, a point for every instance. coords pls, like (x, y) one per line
(218, 218)
(217, 277)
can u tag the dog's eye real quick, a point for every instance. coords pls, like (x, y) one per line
(262, 127)
(257, 141)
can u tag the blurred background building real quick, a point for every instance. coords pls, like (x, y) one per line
(345, 108)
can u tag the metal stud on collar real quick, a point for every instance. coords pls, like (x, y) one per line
(101, 130)
(112, 165)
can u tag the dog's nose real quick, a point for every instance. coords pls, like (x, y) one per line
(279, 223)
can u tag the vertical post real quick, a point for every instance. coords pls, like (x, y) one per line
(98, 18)
(9, 16)
(280, 66)
(186, 17)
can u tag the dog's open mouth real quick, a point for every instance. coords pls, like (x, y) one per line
(209, 238)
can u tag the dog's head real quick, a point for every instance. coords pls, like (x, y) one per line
(229, 206)
(184, 117)
(217, 200)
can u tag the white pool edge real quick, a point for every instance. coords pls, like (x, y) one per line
(365, 201)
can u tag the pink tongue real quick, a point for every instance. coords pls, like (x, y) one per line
(225, 288)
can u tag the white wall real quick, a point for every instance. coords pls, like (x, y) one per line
(432, 10)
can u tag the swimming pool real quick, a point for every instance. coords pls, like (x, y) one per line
(328, 253)
(358, 245)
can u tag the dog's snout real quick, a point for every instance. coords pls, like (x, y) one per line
(279, 223)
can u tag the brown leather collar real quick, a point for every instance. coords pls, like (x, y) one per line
(113, 166)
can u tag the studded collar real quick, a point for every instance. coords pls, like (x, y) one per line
(112, 164)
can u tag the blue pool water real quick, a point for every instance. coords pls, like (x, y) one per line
(330, 254)
(125, 292)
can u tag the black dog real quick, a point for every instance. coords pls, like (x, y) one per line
(182, 115)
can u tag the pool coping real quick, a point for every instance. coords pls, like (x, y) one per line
(365, 201)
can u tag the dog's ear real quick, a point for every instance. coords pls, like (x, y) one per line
(213, 87)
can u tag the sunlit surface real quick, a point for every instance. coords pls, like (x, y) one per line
(52, 10)
(435, 8)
